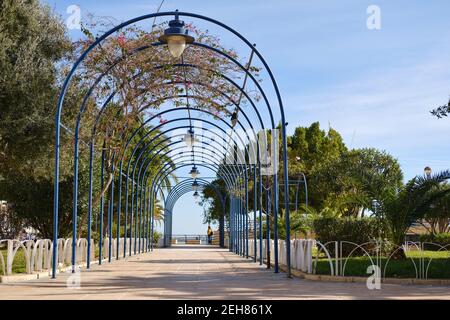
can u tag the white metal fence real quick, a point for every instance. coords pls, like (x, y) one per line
(38, 253)
(306, 254)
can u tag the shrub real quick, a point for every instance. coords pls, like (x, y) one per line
(156, 236)
(354, 230)
(442, 239)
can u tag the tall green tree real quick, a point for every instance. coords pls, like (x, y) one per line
(33, 42)
(411, 202)
(357, 179)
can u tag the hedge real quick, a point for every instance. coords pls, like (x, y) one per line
(359, 231)
(442, 239)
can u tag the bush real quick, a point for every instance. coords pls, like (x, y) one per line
(156, 236)
(354, 230)
(442, 239)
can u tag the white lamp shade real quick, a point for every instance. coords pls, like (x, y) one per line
(176, 45)
(189, 139)
(194, 174)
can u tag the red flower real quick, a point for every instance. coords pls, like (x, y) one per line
(121, 40)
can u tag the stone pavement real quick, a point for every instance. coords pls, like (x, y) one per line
(196, 272)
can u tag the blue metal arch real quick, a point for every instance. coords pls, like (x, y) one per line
(68, 79)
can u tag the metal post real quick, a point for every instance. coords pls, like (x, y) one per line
(136, 225)
(119, 208)
(75, 204)
(268, 226)
(142, 201)
(222, 227)
(125, 225)
(254, 214)
(261, 231)
(102, 182)
(152, 219)
(286, 184)
(89, 222)
(246, 213)
(230, 235)
(132, 215)
(110, 217)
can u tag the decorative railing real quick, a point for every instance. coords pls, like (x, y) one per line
(37, 254)
(306, 254)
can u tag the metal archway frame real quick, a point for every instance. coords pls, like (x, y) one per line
(59, 125)
(185, 187)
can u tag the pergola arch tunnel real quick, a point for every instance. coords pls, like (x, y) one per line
(152, 160)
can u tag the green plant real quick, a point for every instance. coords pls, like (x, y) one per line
(441, 239)
(354, 230)
(156, 236)
(403, 206)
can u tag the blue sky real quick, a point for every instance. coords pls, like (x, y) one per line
(374, 86)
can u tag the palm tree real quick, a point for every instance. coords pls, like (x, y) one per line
(437, 219)
(405, 205)
(158, 212)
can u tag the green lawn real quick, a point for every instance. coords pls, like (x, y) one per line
(439, 267)
(18, 263)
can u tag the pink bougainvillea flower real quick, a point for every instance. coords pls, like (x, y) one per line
(190, 27)
(121, 40)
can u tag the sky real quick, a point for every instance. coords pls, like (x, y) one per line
(374, 86)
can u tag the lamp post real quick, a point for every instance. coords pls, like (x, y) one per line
(234, 119)
(196, 195)
(195, 185)
(427, 171)
(194, 172)
(176, 37)
(298, 159)
(189, 138)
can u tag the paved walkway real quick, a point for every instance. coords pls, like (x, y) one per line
(201, 273)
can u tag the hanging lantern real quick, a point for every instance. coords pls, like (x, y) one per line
(189, 138)
(196, 195)
(176, 37)
(194, 172)
(234, 119)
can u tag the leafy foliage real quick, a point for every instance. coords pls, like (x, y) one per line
(354, 230)
(441, 111)
(442, 239)
(33, 43)
(407, 204)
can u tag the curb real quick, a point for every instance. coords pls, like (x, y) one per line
(352, 279)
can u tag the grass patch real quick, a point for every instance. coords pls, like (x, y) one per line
(439, 267)
(19, 263)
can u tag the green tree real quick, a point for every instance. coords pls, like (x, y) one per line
(442, 111)
(311, 149)
(356, 179)
(33, 42)
(437, 218)
(407, 204)
(211, 201)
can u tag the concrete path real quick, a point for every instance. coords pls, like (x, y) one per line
(195, 272)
